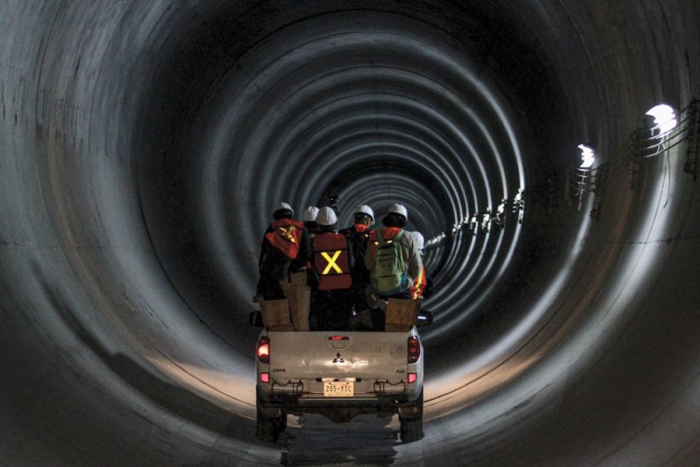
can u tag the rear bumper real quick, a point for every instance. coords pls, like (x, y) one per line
(339, 410)
(301, 396)
(313, 389)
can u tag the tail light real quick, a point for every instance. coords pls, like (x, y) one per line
(264, 349)
(413, 349)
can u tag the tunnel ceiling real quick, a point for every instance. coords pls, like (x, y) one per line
(145, 144)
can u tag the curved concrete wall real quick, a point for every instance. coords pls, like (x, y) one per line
(144, 145)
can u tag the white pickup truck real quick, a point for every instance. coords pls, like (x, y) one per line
(339, 374)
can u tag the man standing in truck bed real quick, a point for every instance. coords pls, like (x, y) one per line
(332, 261)
(358, 235)
(393, 259)
(285, 250)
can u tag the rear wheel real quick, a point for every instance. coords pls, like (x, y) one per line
(269, 428)
(412, 421)
(411, 430)
(283, 422)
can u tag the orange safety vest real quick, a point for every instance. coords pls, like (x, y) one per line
(332, 261)
(285, 235)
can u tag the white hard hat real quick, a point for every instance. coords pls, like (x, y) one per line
(326, 216)
(364, 209)
(420, 241)
(284, 206)
(310, 214)
(399, 209)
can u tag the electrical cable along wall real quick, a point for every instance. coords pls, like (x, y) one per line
(144, 144)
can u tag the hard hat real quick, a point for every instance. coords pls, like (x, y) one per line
(310, 214)
(326, 216)
(364, 209)
(399, 209)
(284, 207)
(420, 241)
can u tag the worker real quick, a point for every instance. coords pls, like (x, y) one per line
(393, 261)
(285, 250)
(332, 261)
(423, 284)
(308, 217)
(282, 290)
(358, 236)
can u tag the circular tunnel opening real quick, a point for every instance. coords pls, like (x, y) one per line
(160, 136)
(377, 105)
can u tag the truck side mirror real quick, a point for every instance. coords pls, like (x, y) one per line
(255, 319)
(425, 318)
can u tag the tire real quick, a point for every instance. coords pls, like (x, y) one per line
(412, 427)
(269, 428)
(283, 422)
(411, 430)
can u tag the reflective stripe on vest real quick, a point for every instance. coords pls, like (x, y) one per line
(419, 284)
(332, 261)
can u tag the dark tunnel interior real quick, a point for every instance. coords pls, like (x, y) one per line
(145, 144)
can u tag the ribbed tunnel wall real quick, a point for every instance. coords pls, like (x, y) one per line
(144, 144)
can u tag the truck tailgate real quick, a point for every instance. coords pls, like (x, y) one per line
(333, 354)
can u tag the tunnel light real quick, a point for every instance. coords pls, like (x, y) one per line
(664, 118)
(588, 156)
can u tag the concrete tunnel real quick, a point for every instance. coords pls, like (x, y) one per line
(144, 145)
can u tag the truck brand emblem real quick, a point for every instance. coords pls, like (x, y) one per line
(338, 358)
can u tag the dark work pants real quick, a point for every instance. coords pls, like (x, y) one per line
(331, 310)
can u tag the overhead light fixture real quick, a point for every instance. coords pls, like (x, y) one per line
(588, 156)
(664, 118)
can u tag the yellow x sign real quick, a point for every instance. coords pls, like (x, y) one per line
(331, 262)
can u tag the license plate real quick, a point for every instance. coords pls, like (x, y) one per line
(338, 388)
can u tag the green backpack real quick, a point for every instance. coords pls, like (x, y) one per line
(389, 272)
